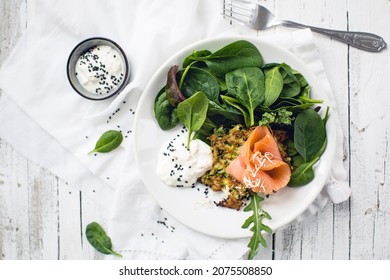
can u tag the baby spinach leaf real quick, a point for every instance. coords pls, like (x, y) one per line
(173, 93)
(247, 86)
(309, 133)
(109, 141)
(303, 175)
(164, 112)
(192, 113)
(256, 221)
(273, 85)
(195, 57)
(98, 238)
(223, 114)
(204, 132)
(198, 79)
(292, 86)
(236, 55)
(236, 104)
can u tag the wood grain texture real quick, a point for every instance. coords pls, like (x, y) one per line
(369, 127)
(43, 217)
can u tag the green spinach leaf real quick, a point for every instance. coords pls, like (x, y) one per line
(256, 221)
(273, 85)
(303, 175)
(223, 114)
(292, 85)
(98, 238)
(192, 112)
(195, 57)
(309, 134)
(247, 86)
(109, 141)
(164, 112)
(236, 104)
(198, 79)
(236, 55)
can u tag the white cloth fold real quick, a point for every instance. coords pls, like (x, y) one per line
(43, 118)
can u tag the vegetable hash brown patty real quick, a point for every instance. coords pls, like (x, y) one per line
(225, 145)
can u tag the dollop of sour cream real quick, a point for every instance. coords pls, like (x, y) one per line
(181, 167)
(100, 69)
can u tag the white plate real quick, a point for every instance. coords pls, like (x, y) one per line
(188, 205)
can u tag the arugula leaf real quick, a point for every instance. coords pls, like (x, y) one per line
(98, 238)
(256, 220)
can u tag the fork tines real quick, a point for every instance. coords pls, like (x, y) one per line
(239, 11)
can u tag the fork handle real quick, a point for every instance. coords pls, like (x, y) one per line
(361, 40)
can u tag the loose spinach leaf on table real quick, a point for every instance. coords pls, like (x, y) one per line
(98, 238)
(247, 86)
(109, 141)
(192, 112)
(256, 223)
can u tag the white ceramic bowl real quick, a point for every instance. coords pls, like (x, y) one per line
(81, 48)
(186, 204)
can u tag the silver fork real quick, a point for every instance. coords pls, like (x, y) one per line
(258, 17)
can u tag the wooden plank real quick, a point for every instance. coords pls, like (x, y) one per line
(13, 194)
(369, 135)
(14, 229)
(92, 212)
(32, 198)
(70, 238)
(42, 213)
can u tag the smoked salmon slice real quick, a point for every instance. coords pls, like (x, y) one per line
(259, 165)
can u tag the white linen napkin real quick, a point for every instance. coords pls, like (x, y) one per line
(49, 123)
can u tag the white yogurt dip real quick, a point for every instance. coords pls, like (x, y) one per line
(100, 69)
(181, 167)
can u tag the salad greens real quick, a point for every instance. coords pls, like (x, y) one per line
(256, 220)
(109, 141)
(238, 86)
(98, 238)
(192, 113)
(233, 86)
(246, 86)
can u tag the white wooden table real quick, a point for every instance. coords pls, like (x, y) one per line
(42, 217)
